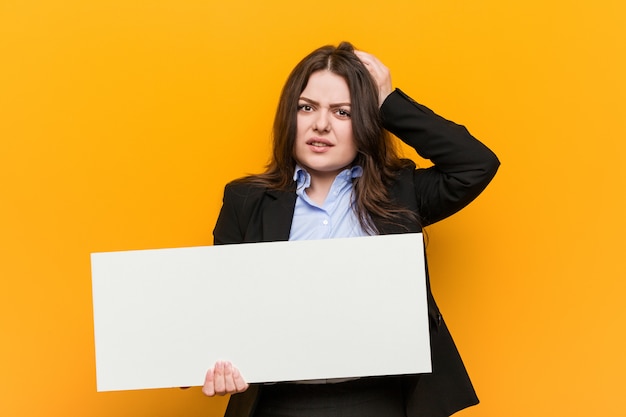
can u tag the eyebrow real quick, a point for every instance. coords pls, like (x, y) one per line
(308, 100)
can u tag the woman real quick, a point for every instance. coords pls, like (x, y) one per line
(332, 157)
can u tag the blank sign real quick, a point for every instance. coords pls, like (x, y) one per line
(280, 311)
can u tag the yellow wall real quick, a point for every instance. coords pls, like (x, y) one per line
(121, 120)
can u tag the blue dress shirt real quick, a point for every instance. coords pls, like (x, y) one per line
(335, 218)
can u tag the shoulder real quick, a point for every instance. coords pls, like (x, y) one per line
(241, 200)
(243, 189)
(404, 171)
(407, 165)
(247, 193)
(402, 186)
(242, 197)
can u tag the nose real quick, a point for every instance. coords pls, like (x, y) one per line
(322, 122)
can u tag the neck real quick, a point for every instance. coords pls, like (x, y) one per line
(320, 186)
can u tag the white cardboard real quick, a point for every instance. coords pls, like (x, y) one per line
(280, 311)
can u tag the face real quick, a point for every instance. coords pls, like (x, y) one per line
(324, 142)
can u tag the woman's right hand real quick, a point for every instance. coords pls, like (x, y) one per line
(223, 378)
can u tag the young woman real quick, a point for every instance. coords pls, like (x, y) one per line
(334, 172)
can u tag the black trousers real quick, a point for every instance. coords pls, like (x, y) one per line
(365, 397)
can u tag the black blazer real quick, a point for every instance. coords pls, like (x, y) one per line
(462, 169)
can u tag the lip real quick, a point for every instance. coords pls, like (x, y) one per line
(319, 144)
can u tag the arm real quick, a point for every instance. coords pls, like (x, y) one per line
(462, 165)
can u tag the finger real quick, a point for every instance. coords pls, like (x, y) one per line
(370, 61)
(240, 383)
(229, 382)
(367, 62)
(218, 380)
(364, 56)
(209, 386)
(379, 72)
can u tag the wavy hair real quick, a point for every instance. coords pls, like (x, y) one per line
(376, 152)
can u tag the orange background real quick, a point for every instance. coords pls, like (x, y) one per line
(121, 121)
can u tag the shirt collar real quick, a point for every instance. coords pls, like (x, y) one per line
(303, 178)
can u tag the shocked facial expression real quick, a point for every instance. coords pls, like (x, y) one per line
(324, 142)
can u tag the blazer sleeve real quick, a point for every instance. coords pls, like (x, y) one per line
(462, 168)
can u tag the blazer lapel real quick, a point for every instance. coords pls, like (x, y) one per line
(277, 215)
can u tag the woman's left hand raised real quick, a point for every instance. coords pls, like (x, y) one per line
(380, 73)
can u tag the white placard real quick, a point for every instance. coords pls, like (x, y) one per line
(280, 311)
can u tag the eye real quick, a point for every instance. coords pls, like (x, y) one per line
(305, 107)
(343, 113)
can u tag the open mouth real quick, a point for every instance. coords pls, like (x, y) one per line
(320, 143)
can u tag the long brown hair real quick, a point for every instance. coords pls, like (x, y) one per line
(377, 154)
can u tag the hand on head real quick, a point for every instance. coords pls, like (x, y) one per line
(223, 378)
(380, 73)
